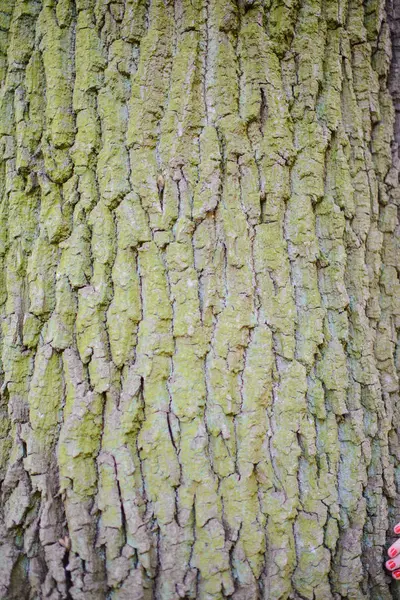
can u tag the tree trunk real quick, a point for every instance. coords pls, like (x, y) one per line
(200, 299)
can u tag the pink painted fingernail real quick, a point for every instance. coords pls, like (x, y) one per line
(391, 564)
(397, 529)
(396, 574)
(392, 552)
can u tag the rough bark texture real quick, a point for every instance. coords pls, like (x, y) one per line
(200, 298)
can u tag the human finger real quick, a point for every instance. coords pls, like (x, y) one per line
(393, 563)
(394, 549)
(396, 574)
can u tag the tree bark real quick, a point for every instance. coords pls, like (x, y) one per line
(200, 299)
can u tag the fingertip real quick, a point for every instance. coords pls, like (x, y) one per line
(396, 574)
(396, 529)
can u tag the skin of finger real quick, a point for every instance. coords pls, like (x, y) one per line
(394, 547)
(395, 561)
(396, 575)
(396, 528)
